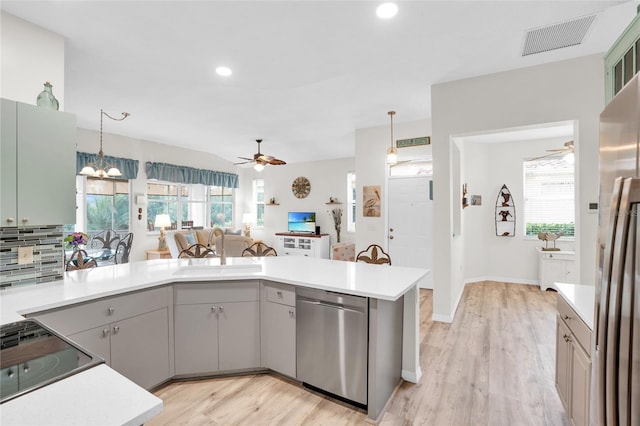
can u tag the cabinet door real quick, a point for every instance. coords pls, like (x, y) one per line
(46, 143)
(8, 171)
(580, 382)
(563, 360)
(552, 271)
(95, 340)
(140, 348)
(280, 338)
(196, 338)
(239, 335)
(569, 272)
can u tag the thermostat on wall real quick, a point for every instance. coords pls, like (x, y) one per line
(592, 208)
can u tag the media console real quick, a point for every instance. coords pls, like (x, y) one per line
(303, 244)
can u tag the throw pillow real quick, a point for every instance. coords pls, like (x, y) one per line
(191, 238)
(230, 232)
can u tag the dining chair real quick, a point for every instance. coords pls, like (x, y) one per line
(79, 259)
(124, 248)
(107, 239)
(259, 249)
(196, 250)
(374, 254)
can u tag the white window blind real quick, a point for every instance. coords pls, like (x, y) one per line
(549, 192)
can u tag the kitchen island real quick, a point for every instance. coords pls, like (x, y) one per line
(380, 284)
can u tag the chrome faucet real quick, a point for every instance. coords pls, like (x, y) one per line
(219, 250)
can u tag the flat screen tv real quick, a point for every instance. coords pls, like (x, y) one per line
(302, 222)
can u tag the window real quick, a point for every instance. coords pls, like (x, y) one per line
(221, 206)
(197, 205)
(106, 205)
(258, 201)
(351, 202)
(549, 193)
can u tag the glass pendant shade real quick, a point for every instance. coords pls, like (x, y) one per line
(258, 167)
(392, 155)
(88, 171)
(114, 172)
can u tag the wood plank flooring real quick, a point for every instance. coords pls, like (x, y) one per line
(494, 365)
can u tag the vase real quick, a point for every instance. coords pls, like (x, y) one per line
(46, 98)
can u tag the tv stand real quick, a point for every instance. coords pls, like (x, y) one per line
(303, 244)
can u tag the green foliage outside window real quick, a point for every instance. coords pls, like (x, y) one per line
(534, 228)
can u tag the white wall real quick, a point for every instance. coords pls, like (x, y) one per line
(371, 169)
(560, 91)
(30, 56)
(327, 178)
(143, 151)
(488, 257)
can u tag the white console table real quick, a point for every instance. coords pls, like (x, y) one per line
(294, 244)
(555, 266)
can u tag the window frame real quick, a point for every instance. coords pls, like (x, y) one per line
(82, 202)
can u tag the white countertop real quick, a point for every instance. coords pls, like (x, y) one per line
(361, 279)
(581, 298)
(98, 393)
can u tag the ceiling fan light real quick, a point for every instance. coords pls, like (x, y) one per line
(258, 167)
(387, 10)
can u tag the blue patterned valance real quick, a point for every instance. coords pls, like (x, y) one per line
(128, 167)
(182, 174)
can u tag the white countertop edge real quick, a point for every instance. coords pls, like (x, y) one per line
(99, 388)
(581, 298)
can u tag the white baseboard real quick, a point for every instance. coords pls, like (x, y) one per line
(412, 376)
(442, 318)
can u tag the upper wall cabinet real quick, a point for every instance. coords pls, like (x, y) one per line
(37, 166)
(622, 61)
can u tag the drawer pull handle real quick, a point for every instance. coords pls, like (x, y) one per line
(279, 293)
(105, 332)
(213, 309)
(566, 317)
(10, 220)
(10, 373)
(221, 309)
(116, 329)
(111, 310)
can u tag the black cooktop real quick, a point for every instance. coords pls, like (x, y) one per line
(32, 356)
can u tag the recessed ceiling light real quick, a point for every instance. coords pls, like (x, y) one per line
(387, 10)
(223, 71)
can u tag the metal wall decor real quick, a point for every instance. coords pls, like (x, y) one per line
(505, 213)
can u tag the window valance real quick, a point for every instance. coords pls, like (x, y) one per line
(128, 167)
(183, 174)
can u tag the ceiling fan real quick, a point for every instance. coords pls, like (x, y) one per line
(567, 149)
(261, 159)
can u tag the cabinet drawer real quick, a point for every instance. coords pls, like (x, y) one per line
(223, 291)
(575, 324)
(80, 317)
(283, 294)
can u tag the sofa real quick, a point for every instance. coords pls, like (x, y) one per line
(234, 242)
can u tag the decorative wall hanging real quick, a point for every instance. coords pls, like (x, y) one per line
(465, 203)
(371, 201)
(403, 143)
(301, 187)
(505, 214)
(475, 200)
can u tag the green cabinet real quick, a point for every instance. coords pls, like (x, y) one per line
(37, 165)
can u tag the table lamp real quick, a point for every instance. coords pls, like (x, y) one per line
(247, 218)
(162, 221)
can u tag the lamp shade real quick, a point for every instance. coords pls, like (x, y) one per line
(247, 218)
(162, 221)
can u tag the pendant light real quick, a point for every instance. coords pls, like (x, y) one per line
(392, 151)
(99, 169)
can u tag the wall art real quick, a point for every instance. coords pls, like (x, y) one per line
(371, 200)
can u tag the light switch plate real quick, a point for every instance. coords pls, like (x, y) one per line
(25, 255)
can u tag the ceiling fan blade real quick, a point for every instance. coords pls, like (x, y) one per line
(275, 162)
(244, 162)
(248, 159)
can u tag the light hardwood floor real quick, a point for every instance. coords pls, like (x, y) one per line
(494, 365)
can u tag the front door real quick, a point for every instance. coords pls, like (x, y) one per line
(410, 233)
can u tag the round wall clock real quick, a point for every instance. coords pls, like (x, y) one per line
(301, 187)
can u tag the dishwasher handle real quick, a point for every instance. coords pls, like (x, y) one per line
(330, 305)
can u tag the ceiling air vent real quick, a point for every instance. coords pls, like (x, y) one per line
(557, 36)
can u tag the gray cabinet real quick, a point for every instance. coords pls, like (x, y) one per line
(37, 165)
(216, 327)
(279, 328)
(573, 364)
(130, 331)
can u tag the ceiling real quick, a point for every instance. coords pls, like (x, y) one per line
(306, 74)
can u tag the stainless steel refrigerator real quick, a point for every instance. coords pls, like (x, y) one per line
(615, 394)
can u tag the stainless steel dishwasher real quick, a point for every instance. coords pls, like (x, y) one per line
(332, 340)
